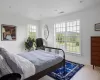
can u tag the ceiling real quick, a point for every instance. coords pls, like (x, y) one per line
(40, 9)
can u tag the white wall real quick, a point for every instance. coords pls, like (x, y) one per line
(21, 24)
(88, 18)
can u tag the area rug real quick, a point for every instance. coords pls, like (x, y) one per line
(71, 68)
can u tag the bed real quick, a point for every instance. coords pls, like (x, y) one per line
(44, 62)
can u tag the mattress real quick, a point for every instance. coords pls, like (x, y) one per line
(41, 59)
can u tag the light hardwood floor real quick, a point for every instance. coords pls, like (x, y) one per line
(86, 73)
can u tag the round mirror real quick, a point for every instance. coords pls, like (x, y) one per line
(46, 32)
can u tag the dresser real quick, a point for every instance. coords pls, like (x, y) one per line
(95, 51)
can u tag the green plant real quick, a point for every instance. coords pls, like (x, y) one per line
(30, 43)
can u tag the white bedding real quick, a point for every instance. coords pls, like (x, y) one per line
(18, 64)
(41, 59)
(27, 67)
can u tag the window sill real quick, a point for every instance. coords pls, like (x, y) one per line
(73, 54)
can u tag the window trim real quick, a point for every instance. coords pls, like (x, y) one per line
(28, 30)
(80, 36)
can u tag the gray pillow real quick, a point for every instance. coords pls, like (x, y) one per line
(11, 61)
(4, 68)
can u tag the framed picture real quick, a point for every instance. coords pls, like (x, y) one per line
(8, 32)
(97, 27)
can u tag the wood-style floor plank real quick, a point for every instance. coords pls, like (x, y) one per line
(86, 73)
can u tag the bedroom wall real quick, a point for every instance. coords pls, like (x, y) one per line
(88, 18)
(21, 24)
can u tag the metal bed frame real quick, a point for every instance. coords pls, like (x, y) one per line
(50, 69)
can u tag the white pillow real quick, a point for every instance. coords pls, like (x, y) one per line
(46, 49)
(61, 53)
(4, 68)
(27, 68)
(53, 50)
(18, 64)
(11, 61)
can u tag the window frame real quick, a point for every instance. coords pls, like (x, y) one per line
(80, 38)
(28, 30)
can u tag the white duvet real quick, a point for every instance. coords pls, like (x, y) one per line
(18, 64)
(25, 65)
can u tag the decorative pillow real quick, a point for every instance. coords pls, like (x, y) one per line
(18, 64)
(4, 68)
(57, 52)
(53, 50)
(60, 52)
(11, 61)
(47, 50)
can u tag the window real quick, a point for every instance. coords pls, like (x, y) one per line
(32, 31)
(67, 36)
